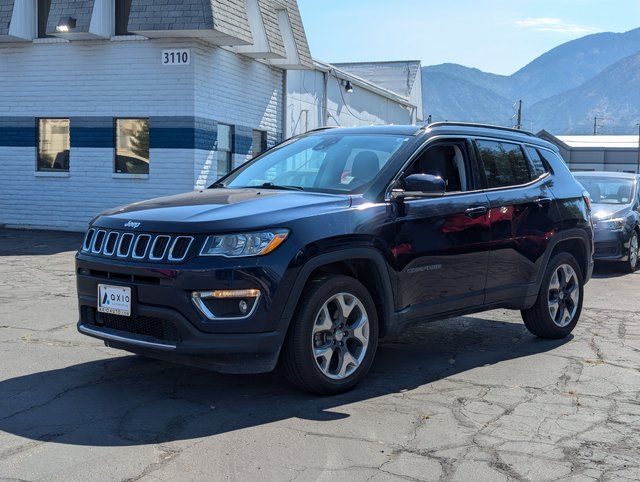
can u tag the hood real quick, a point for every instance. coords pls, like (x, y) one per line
(221, 209)
(606, 211)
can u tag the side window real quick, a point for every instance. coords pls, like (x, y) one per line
(536, 163)
(225, 149)
(504, 164)
(448, 161)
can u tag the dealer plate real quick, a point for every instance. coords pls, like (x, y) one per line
(115, 300)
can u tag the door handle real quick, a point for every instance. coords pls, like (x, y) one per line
(543, 201)
(476, 211)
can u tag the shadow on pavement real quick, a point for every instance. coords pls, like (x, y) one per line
(130, 400)
(18, 242)
(604, 270)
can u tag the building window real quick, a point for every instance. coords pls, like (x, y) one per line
(258, 142)
(123, 9)
(225, 149)
(43, 15)
(132, 146)
(53, 145)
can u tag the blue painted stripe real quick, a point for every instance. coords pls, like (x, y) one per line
(166, 132)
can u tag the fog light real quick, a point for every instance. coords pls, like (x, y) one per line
(226, 304)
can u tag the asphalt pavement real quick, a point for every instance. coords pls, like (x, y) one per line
(469, 398)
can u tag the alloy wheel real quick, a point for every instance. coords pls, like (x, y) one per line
(564, 294)
(340, 336)
(633, 251)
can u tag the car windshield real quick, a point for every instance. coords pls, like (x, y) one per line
(608, 190)
(341, 163)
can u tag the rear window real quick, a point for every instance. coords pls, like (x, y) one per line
(504, 164)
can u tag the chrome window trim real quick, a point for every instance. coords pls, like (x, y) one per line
(122, 339)
(425, 144)
(202, 308)
(120, 244)
(135, 245)
(153, 245)
(186, 251)
(95, 237)
(106, 243)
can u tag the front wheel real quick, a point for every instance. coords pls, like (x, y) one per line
(333, 338)
(631, 265)
(559, 303)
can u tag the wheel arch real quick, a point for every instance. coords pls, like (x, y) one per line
(367, 265)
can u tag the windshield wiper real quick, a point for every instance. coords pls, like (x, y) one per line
(270, 185)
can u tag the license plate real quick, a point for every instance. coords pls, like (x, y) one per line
(115, 300)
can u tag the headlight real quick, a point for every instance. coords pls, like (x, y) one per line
(244, 244)
(611, 224)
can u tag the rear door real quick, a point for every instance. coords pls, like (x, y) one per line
(441, 246)
(523, 216)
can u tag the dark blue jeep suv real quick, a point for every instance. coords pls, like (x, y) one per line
(312, 252)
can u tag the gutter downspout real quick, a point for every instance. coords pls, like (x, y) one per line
(325, 99)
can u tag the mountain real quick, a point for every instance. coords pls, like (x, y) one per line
(613, 95)
(455, 99)
(476, 94)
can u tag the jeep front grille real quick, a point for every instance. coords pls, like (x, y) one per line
(137, 246)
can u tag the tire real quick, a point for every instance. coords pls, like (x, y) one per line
(538, 319)
(631, 264)
(316, 326)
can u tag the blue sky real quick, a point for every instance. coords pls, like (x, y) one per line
(497, 36)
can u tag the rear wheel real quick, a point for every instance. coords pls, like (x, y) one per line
(559, 303)
(332, 341)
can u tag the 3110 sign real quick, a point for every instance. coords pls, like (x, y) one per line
(176, 57)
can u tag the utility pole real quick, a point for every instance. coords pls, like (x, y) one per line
(595, 126)
(519, 123)
(638, 164)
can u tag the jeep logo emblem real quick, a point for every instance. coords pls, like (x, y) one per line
(132, 225)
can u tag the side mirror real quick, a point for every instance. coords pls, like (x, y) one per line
(421, 185)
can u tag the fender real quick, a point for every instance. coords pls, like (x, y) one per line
(569, 234)
(351, 254)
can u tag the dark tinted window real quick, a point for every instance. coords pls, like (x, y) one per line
(536, 163)
(448, 161)
(504, 164)
(123, 8)
(43, 15)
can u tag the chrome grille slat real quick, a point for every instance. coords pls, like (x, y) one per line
(179, 256)
(112, 243)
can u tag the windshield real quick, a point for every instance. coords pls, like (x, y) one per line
(324, 163)
(608, 190)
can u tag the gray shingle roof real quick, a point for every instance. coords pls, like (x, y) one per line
(6, 10)
(396, 76)
(81, 10)
(270, 20)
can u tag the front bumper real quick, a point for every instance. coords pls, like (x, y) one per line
(611, 245)
(164, 322)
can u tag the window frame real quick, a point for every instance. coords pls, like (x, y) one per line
(38, 137)
(115, 147)
(509, 141)
(473, 164)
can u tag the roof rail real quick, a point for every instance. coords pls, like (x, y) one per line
(484, 126)
(324, 128)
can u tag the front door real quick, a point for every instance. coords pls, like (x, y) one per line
(441, 246)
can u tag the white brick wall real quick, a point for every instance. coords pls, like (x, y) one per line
(121, 79)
